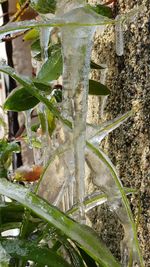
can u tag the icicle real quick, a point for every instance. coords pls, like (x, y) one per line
(71, 187)
(119, 36)
(75, 82)
(44, 41)
(45, 133)
(64, 189)
(27, 114)
(95, 134)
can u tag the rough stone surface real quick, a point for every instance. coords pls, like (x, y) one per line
(128, 146)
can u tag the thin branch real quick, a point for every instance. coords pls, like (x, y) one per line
(10, 38)
(19, 12)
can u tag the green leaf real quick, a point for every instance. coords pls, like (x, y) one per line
(52, 69)
(20, 99)
(51, 121)
(22, 249)
(24, 80)
(44, 6)
(88, 260)
(71, 249)
(31, 35)
(36, 47)
(42, 86)
(85, 237)
(35, 127)
(103, 10)
(10, 213)
(10, 148)
(43, 122)
(101, 155)
(96, 88)
(95, 66)
(9, 226)
(29, 85)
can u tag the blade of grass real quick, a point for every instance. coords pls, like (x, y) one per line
(108, 163)
(85, 237)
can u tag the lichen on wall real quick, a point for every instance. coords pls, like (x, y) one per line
(128, 146)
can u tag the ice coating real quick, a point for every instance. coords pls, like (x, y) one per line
(119, 32)
(4, 257)
(103, 178)
(76, 50)
(45, 135)
(95, 134)
(44, 41)
(27, 114)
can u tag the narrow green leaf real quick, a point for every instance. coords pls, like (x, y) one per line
(72, 251)
(52, 69)
(95, 66)
(24, 80)
(98, 133)
(113, 172)
(88, 260)
(22, 249)
(20, 99)
(86, 238)
(96, 88)
(56, 22)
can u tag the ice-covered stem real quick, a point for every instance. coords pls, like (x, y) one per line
(44, 41)
(27, 114)
(76, 50)
(106, 177)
